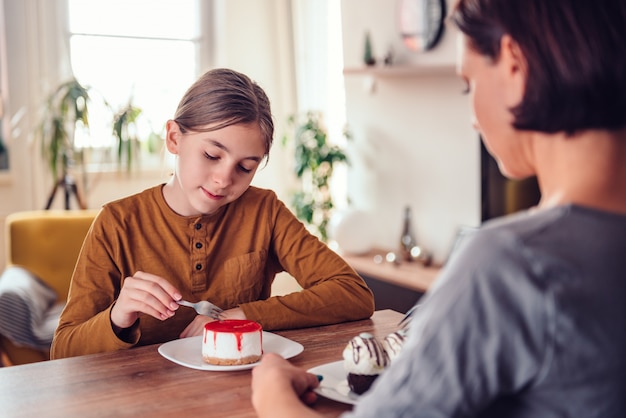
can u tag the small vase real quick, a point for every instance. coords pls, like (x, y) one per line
(368, 55)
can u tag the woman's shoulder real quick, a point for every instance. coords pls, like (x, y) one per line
(510, 243)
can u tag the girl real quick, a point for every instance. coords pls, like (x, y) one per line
(204, 235)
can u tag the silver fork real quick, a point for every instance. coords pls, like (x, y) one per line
(204, 308)
(407, 317)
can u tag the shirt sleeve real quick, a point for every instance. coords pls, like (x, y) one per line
(85, 324)
(481, 332)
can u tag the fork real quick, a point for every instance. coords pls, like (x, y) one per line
(204, 308)
(407, 317)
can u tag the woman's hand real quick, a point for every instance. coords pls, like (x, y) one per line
(279, 389)
(144, 293)
(196, 327)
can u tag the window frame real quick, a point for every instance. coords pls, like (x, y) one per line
(99, 157)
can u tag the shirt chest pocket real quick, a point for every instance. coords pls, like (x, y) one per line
(244, 278)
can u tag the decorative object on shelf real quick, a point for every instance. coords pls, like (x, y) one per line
(392, 258)
(315, 159)
(409, 250)
(350, 229)
(368, 53)
(407, 239)
(389, 57)
(421, 23)
(4, 151)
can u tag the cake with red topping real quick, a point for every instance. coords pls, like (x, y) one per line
(232, 342)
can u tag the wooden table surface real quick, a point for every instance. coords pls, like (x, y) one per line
(140, 382)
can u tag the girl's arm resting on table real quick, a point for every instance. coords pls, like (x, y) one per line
(95, 335)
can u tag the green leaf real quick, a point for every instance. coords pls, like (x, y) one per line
(314, 160)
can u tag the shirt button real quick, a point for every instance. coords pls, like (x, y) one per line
(198, 245)
(198, 225)
(198, 266)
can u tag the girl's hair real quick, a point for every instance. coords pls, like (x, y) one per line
(576, 65)
(224, 97)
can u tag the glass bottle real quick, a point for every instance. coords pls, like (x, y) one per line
(407, 239)
(368, 53)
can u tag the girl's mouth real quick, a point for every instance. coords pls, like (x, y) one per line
(212, 196)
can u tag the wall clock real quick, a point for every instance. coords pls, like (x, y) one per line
(421, 23)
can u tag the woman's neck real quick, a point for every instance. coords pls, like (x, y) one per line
(588, 169)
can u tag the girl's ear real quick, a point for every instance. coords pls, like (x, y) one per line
(172, 136)
(515, 68)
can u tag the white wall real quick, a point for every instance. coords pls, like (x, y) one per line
(413, 142)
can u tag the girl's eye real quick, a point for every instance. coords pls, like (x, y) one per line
(239, 167)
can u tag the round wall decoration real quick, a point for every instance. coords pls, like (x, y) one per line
(421, 23)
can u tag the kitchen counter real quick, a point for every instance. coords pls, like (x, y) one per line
(396, 286)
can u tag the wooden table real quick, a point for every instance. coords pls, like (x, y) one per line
(140, 382)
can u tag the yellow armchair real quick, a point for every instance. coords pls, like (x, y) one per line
(47, 244)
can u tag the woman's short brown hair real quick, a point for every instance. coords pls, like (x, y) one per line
(574, 51)
(223, 97)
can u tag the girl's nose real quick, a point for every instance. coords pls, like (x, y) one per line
(223, 176)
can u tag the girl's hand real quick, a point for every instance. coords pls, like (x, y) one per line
(144, 293)
(196, 327)
(279, 389)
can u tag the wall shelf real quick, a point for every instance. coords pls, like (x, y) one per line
(395, 286)
(399, 71)
(413, 276)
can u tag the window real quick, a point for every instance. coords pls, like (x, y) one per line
(144, 51)
(319, 68)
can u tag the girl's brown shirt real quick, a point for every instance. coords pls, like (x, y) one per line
(229, 258)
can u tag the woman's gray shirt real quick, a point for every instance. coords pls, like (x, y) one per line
(527, 319)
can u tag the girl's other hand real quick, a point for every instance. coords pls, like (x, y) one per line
(196, 327)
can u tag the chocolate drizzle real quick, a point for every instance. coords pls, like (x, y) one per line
(374, 350)
(394, 342)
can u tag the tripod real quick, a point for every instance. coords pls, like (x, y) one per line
(69, 186)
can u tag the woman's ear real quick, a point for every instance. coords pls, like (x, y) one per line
(515, 68)
(172, 136)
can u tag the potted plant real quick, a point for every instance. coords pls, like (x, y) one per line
(315, 159)
(66, 109)
(125, 130)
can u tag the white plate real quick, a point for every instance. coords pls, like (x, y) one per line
(188, 352)
(334, 385)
